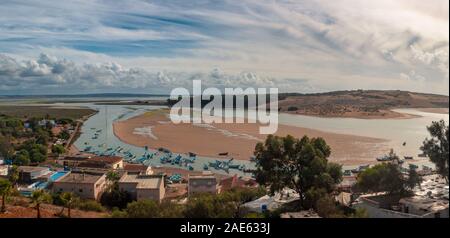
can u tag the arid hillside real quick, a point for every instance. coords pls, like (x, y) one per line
(359, 103)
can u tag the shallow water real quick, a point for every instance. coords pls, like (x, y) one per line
(396, 131)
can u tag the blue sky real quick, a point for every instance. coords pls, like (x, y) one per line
(88, 46)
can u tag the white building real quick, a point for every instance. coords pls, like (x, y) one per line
(272, 202)
(430, 200)
(143, 187)
(4, 169)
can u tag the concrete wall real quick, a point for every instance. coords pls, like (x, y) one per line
(138, 194)
(83, 190)
(202, 186)
(376, 212)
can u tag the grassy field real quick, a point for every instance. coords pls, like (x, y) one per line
(24, 111)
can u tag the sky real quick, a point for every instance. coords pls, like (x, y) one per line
(153, 46)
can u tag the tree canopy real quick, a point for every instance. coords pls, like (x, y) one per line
(299, 164)
(436, 148)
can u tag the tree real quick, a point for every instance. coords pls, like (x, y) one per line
(6, 148)
(297, 164)
(37, 198)
(436, 148)
(385, 177)
(21, 158)
(58, 149)
(237, 197)
(5, 190)
(116, 198)
(68, 200)
(13, 175)
(326, 207)
(65, 135)
(414, 179)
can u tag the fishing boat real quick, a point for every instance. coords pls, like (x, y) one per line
(87, 149)
(384, 158)
(191, 154)
(223, 154)
(234, 166)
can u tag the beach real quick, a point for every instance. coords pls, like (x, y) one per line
(154, 129)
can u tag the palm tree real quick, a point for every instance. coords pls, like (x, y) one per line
(68, 200)
(5, 190)
(14, 175)
(37, 198)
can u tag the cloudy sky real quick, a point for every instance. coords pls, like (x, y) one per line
(152, 46)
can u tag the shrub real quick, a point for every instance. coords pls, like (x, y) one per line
(89, 205)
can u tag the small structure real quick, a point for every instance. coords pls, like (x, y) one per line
(4, 170)
(137, 168)
(111, 162)
(272, 202)
(430, 200)
(87, 185)
(205, 183)
(424, 207)
(30, 174)
(99, 162)
(143, 187)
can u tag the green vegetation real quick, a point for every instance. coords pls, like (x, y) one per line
(225, 205)
(387, 177)
(302, 165)
(37, 198)
(5, 190)
(65, 135)
(437, 147)
(89, 205)
(68, 200)
(25, 111)
(58, 149)
(114, 197)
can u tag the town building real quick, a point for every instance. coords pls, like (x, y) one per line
(99, 162)
(86, 185)
(143, 187)
(30, 174)
(205, 183)
(430, 200)
(138, 168)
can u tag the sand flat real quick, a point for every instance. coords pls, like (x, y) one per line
(238, 140)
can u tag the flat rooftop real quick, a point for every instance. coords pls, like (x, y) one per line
(143, 181)
(80, 178)
(30, 169)
(106, 159)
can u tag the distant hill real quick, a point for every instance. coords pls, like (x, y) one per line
(94, 95)
(359, 103)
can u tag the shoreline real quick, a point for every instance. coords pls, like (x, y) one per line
(390, 115)
(239, 140)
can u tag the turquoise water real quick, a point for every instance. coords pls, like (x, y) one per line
(57, 175)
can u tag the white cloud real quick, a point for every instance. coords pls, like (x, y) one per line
(343, 44)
